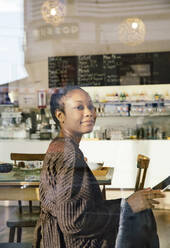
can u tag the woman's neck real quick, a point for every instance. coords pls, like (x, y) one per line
(75, 138)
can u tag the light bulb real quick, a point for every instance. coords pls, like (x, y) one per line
(53, 12)
(134, 25)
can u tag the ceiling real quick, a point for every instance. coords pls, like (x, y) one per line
(102, 8)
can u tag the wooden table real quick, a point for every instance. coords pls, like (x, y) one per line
(21, 186)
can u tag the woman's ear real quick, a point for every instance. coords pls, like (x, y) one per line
(60, 116)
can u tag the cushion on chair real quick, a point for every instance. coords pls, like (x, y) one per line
(15, 245)
(29, 220)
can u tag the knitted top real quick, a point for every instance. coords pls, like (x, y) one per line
(73, 213)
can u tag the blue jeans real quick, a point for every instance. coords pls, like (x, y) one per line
(137, 230)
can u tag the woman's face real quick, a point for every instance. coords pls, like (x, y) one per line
(79, 117)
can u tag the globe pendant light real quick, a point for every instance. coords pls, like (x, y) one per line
(132, 31)
(53, 11)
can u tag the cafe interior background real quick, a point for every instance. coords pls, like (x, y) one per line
(133, 108)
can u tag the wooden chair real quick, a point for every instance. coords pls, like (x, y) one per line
(28, 219)
(26, 157)
(142, 165)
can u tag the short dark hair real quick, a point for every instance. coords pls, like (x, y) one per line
(55, 102)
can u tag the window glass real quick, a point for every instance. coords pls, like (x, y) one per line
(11, 41)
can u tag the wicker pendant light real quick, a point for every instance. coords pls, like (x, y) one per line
(53, 12)
(132, 31)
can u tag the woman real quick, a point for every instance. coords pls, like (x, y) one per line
(73, 213)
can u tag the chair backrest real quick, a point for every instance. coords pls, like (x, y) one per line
(27, 157)
(142, 165)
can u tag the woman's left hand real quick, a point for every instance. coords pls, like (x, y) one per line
(144, 199)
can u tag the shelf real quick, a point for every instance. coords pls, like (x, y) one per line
(134, 102)
(110, 116)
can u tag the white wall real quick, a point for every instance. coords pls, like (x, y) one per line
(97, 28)
(90, 27)
(120, 154)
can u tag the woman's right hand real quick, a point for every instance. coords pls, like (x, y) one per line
(144, 199)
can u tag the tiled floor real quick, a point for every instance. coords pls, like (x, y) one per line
(162, 218)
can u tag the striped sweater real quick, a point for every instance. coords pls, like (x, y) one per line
(73, 213)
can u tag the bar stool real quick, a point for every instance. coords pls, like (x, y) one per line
(142, 165)
(22, 219)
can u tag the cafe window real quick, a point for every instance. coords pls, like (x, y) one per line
(12, 41)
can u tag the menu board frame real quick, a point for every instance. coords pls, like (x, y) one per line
(109, 69)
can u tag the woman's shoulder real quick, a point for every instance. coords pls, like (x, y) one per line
(61, 145)
(56, 145)
(63, 149)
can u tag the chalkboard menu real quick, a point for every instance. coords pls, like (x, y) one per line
(62, 71)
(109, 69)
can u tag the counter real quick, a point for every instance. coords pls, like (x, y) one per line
(120, 154)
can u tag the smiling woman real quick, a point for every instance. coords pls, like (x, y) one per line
(73, 110)
(78, 116)
(73, 211)
(12, 41)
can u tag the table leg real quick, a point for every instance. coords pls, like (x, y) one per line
(104, 192)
